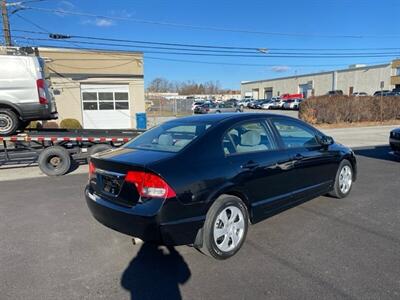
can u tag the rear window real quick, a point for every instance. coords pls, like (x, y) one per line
(169, 137)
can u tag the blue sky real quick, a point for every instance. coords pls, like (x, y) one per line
(374, 20)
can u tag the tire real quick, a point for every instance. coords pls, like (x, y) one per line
(214, 245)
(54, 161)
(343, 180)
(218, 112)
(9, 122)
(98, 148)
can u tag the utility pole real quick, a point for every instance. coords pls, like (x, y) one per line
(6, 24)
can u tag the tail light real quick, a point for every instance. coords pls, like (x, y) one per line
(150, 185)
(41, 87)
(92, 170)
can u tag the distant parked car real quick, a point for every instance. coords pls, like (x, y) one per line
(382, 93)
(335, 93)
(394, 140)
(215, 108)
(268, 104)
(257, 104)
(359, 94)
(244, 103)
(196, 104)
(292, 104)
(25, 93)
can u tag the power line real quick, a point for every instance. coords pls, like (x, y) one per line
(208, 28)
(211, 46)
(195, 53)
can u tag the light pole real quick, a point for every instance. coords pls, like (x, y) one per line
(6, 24)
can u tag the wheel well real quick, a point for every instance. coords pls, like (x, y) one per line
(242, 197)
(6, 106)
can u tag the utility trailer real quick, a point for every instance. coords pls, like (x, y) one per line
(57, 151)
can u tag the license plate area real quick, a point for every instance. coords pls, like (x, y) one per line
(110, 183)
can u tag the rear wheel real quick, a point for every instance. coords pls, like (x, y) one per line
(343, 180)
(9, 122)
(225, 227)
(54, 161)
(218, 112)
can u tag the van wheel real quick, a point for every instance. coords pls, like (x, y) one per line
(225, 227)
(54, 161)
(9, 122)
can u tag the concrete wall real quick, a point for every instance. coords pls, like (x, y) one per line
(70, 68)
(362, 79)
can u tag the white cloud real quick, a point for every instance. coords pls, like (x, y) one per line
(104, 22)
(99, 22)
(280, 69)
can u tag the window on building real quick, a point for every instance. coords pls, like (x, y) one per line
(398, 71)
(105, 100)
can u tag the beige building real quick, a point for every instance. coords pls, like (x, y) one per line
(356, 78)
(101, 89)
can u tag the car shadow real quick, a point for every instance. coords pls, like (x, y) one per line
(377, 152)
(156, 272)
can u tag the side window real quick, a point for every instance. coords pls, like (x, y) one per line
(295, 135)
(247, 137)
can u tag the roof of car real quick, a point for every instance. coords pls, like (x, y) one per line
(216, 118)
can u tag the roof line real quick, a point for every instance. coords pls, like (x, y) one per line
(317, 73)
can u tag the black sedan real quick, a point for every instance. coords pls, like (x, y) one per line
(394, 140)
(202, 180)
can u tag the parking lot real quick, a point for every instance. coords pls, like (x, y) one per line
(52, 248)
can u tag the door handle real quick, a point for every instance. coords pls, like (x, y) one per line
(250, 165)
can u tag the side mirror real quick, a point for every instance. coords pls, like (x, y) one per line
(326, 140)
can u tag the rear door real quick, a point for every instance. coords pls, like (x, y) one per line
(259, 166)
(314, 165)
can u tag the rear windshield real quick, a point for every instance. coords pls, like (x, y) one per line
(168, 137)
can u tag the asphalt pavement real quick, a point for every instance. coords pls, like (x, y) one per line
(52, 248)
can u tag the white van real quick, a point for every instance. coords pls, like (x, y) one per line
(24, 93)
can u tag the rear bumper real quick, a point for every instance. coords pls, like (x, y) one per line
(36, 111)
(144, 221)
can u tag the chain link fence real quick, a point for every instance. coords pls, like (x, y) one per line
(160, 109)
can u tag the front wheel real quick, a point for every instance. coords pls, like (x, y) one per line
(343, 180)
(225, 228)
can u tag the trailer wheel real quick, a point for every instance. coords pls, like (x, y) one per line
(98, 148)
(54, 161)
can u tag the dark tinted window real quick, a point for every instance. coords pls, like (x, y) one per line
(168, 137)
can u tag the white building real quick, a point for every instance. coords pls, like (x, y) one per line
(356, 78)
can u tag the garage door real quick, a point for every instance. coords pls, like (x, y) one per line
(105, 106)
